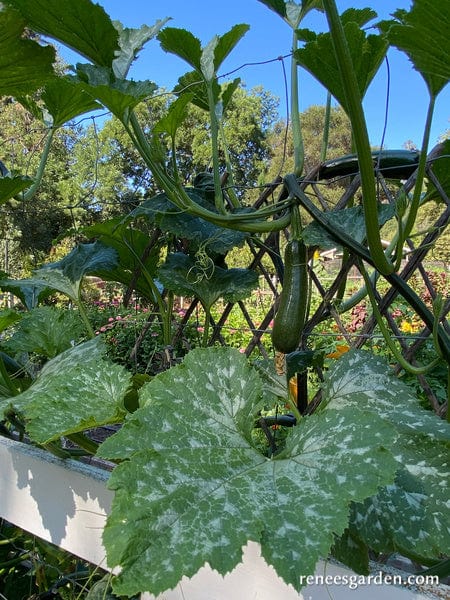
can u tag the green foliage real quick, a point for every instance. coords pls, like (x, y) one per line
(84, 26)
(31, 567)
(164, 214)
(367, 52)
(75, 391)
(188, 453)
(24, 64)
(188, 277)
(177, 478)
(45, 331)
(412, 31)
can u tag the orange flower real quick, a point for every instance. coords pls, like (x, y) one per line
(340, 350)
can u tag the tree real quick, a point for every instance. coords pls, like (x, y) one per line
(109, 176)
(312, 119)
(31, 224)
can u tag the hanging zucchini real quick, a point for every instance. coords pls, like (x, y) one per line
(291, 314)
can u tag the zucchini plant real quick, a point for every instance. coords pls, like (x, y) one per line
(191, 482)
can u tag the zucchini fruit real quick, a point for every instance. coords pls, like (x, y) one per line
(393, 164)
(290, 317)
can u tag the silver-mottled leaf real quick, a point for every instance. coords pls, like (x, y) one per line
(192, 489)
(77, 390)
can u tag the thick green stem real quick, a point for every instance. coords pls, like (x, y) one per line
(299, 153)
(31, 191)
(83, 315)
(415, 203)
(84, 442)
(360, 135)
(230, 190)
(213, 120)
(326, 129)
(250, 222)
(206, 327)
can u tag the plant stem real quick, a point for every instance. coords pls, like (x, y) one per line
(83, 315)
(326, 129)
(255, 222)
(360, 136)
(405, 365)
(84, 442)
(415, 203)
(31, 191)
(299, 153)
(213, 118)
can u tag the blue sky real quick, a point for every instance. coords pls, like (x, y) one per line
(268, 38)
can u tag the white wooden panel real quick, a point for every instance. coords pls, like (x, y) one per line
(62, 501)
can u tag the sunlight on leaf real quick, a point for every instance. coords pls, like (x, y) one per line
(423, 34)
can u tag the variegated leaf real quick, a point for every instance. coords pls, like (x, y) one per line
(192, 488)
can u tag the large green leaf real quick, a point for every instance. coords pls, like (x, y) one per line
(24, 64)
(182, 43)
(423, 34)
(205, 60)
(187, 277)
(66, 274)
(10, 186)
(292, 12)
(63, 276)
(160, 211)
(29, 291)
(64, 100)
(134, 254)
(363, 380)
(411, 515)
(77, 390)
(192, 489)
(47, 331)
(350, 220)
(367, 52)
(118, 95)
(83, 26)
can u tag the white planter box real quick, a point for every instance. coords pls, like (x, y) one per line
(66, 503)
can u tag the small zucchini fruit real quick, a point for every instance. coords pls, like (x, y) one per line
(290, 317)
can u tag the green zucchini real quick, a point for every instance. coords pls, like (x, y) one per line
(393, 164)
(291, 314)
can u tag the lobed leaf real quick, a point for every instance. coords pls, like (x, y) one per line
(192, 489)
(75, 391)
(168, 217)
(83, 26)
(131, 41)
(350, 220)
(118, 95)
(182, 43)
(186, 277)
(423, 34)
(367, 52)
(46, 331)
(65, 100)
(10, 186)
(411, 515)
